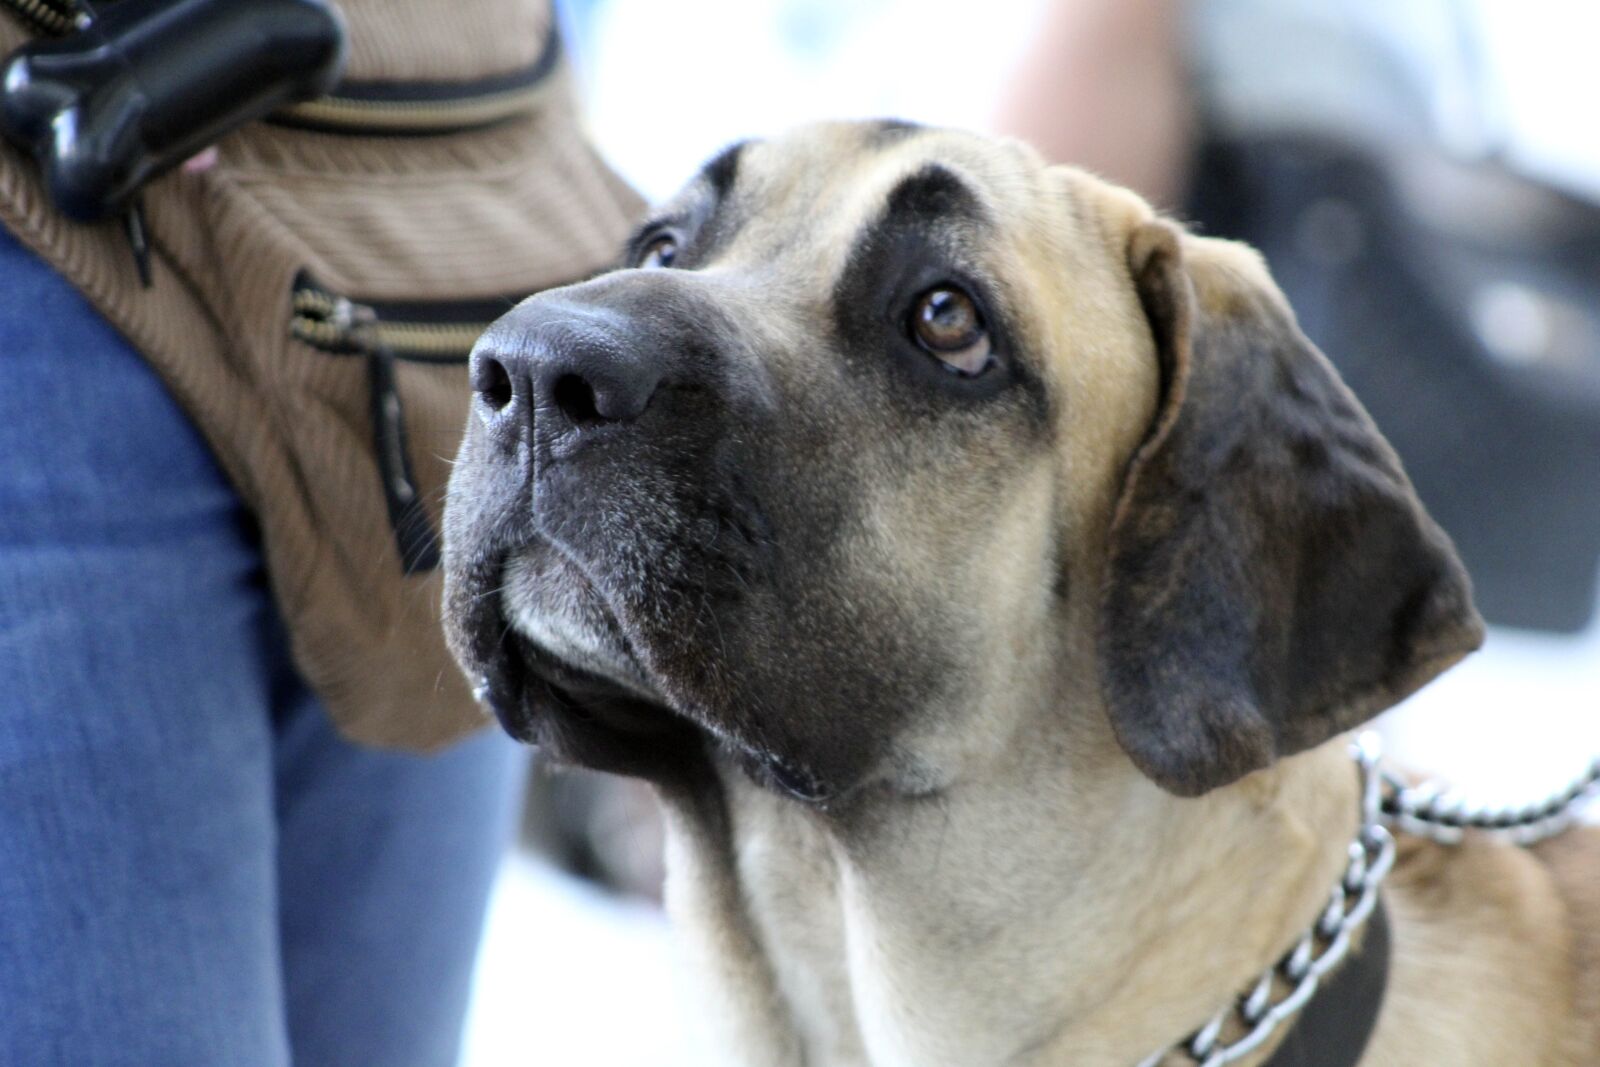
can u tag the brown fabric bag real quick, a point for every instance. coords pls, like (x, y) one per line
(314, 295)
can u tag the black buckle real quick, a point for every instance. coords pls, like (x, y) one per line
(143, 85)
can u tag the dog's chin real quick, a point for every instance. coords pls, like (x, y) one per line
(590, 719)
(563, 676)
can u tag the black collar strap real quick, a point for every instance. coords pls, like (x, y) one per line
(1333, 1028)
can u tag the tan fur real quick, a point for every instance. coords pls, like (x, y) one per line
(1484, 967)
(1051, 907)
(1008, 888)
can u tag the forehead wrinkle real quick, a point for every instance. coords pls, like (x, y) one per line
(812, 194)
(820, 193)
(869, 188)
(722, 170)
(1007, 179)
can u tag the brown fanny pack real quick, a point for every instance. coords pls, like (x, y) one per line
(315, 293)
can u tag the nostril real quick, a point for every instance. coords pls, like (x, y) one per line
(493, 383)
(575, 397)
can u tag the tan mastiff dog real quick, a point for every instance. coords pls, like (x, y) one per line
(984, 569)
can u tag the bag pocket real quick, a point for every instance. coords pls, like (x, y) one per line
(384, 334)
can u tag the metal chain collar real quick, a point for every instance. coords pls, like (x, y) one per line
(1442, 815)
(1425, 810)
(1283, 988)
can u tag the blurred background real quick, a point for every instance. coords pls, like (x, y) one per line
(1424, 179)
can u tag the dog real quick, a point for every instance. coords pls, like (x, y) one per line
(985, 571)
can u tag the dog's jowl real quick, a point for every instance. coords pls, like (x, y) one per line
(984, 569)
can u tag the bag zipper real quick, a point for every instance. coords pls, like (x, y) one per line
(385, 333)
(423, 108)
(414, 332)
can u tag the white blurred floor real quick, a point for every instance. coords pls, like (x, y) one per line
(572, 976)
(569, 975)
(1510, 722)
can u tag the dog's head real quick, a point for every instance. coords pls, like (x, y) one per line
(878, 425)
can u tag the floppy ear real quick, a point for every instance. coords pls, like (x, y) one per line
(1272, 578)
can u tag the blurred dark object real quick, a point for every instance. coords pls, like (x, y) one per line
(596, 826)
(148, 83)
(1462, 304)
(1371, 151)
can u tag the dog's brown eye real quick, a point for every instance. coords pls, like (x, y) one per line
(660, 252)
(946, 322)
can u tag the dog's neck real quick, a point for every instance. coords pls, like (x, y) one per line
(1053, 913)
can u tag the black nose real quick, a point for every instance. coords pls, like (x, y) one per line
(561, 369)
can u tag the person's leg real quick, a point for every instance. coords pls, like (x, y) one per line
(166, 778)
(386, 861)
(138, 911)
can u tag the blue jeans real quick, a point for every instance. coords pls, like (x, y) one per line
(194, 867)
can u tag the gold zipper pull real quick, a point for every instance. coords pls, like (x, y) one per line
(332, 323)
(338, 324)
(354, 322)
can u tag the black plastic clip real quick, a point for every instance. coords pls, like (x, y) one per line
(145, 84)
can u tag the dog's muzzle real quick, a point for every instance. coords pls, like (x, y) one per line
(577, 516)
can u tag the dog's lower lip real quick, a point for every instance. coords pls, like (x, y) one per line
(502, 684)
(506, 694)
(501, 692)
(530, 672)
